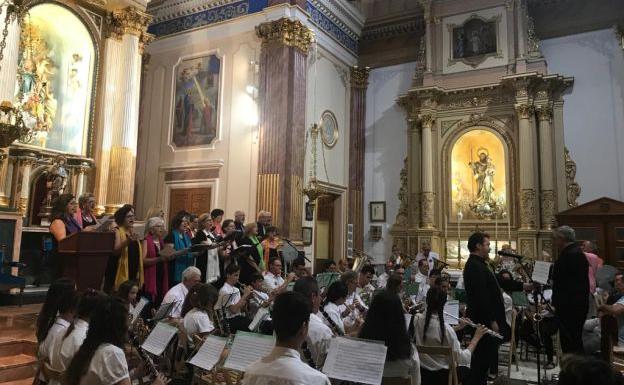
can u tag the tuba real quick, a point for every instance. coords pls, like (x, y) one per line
(360, 259)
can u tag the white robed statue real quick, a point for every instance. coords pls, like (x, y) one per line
(483, 170)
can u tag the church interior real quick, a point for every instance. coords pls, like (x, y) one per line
(141, 138)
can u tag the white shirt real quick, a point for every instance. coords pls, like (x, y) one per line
(228, 296)
(65, 348)
(319, 337)
(333, 311)
(508, 307)
(108, 366)
(423, 288)
(433, 256)
(420, 277)
(433, 339)
(212, 271)
(283, 366)
(404, 368)
(51, 345)
(382, 280)
(197, 321)
(176, 294)
(351, 300)
(255, 302)
(272, 281)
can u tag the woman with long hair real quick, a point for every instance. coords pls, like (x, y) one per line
(126, 261)
(385, 321)
(430, 330)
(180, 241)
(128, 292)
(101, 359)
(198, 310)
(155, 263)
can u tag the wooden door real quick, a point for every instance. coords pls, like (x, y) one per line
(194, 200)
(324, 245)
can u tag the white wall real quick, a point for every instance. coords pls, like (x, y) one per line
(594, 110)
(386, 148)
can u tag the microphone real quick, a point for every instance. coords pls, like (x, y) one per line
(504, 253)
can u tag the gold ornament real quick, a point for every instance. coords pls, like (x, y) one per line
(291, 33)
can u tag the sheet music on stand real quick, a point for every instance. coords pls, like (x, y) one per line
(541, 272)
(138, 309)
(326, 279)
(356, 360)
(104, 223)
(262, 314)
(209, 354)
(248, 348)
(452, 308)
(164, 310)
(159, 338)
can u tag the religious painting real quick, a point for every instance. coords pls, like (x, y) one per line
(474, 40)
(55, 78)
(478, 176)
(306, 235)
(196, 103)
(377, 211)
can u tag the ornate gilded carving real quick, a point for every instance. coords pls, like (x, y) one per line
(413, 207)
(527, 208)
(447, 124)
(573, 188)
(144, 40)
(544, 113)
(427, 121)
(359, 77)
(402, 215)
(548, 209)
(128, 20)
(426, 209)
(526, 248)
(533, 41)
(524, 111)
(547, 247)
(291, 33)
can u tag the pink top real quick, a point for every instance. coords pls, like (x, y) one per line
(594, 264)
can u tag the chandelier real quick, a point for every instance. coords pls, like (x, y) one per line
(312, 190)
(12, 125)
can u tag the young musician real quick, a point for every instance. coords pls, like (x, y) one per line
(319, 334)
(258, 297)
(385, 321)
(336, 296)
(284, 366)
(128, 292)
(232, 302)
(202, 298)
(430, 330)
(353, 308)
(101, 359)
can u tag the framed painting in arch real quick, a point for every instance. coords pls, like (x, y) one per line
(196, 101)
(377, 211)
(306, 235)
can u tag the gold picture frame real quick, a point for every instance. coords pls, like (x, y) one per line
(329, 129)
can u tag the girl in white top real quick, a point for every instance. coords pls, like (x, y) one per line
(201, 298)
(336, 297)
(385, 321)
(430, 330)
(101, 359)
(55, 317)
(128, 291)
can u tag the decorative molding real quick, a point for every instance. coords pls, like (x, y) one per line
(533, 41)
(572, 187)
(97, 20)
(394, 28)
(403, 214)
(527, 208)
(426, 209)
(291, 33)
(331, 24)
(524, 111)
(427, 121)
(359, 77)
(128, 21)
(447, 124)
(544, 113)
(526, 248)
(548, 209)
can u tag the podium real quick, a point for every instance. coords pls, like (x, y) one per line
(84, 256)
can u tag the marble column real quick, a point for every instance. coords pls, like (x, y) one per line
(427, 194)
(26, 164)
(115, 179)
(527, 140)
(282, 98)
(8, 62)
(547, 177)
(359, 83)
(414, 171)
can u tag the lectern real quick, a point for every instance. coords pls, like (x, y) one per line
(84, 256)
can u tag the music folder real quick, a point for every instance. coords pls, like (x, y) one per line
(356, 360)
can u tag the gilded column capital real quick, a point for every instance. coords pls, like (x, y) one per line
(524, 111)
(544, 113)
(144, 40)
(427, 120)
(291, 33)
(128, 20)
(359, 77)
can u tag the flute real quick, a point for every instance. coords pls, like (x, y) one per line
(474, 325)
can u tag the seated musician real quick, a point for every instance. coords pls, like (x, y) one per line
(190, 277)
(197, 321)
(429, 256)
(353, 301)
(423, 288)
(336, 296)
(101, 358)
(299, 268)
(364, 287)
(617, 309)
(330, 267)
(382, 280)
(260, 299)
(284, 365)
(423, 271)
(232, 302)
(273, 280)
(430, 330)
(319, 334)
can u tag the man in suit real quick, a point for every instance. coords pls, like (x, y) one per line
(485, 305)
(570, 289)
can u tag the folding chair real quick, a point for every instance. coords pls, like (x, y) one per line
(446, 351)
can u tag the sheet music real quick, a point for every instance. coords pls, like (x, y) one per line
(103, 223)
(164, 310)
(541, 272)
(262, 314)
(355, 360)
(159, 338)
(209, 353)
(248, 348)
(139, 308)
(452, 308)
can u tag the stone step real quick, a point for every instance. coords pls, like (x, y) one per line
(15, 347)
(17, 367)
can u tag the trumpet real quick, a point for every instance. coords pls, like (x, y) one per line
(474, 325)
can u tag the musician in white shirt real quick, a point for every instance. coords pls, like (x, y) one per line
(284, 365)
(202, 298)
(430, 256)
(231, 302)
(353, 309)
(190, 277)
(430, 330)
(423, 271)
(319, 334)
(332, 313)
(273, 280)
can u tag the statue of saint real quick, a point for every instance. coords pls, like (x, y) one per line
(483, 170)
(56, 179)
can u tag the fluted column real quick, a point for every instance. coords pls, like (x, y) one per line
(283, 70)
(527, 142)
(4, 169)
(547, 177)
(26, 164)
(8, 62)
(357, 146)
(427, 195)
(81, 170)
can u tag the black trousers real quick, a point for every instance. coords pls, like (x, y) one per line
(238, 323)
(440, 377)
(482, 358)
(570, 324)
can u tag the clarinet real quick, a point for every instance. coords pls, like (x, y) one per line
(332, 324)
(151, 367)
(307, 354)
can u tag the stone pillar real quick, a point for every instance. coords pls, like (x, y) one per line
(359, 82)
(521, 21)
(527, 140)
(4, 169)
(8, 61)
(414, 171)
(26, 164)
(427, 194)
(80, 171)
(282, 97)
(127, 28)
(547, 177)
